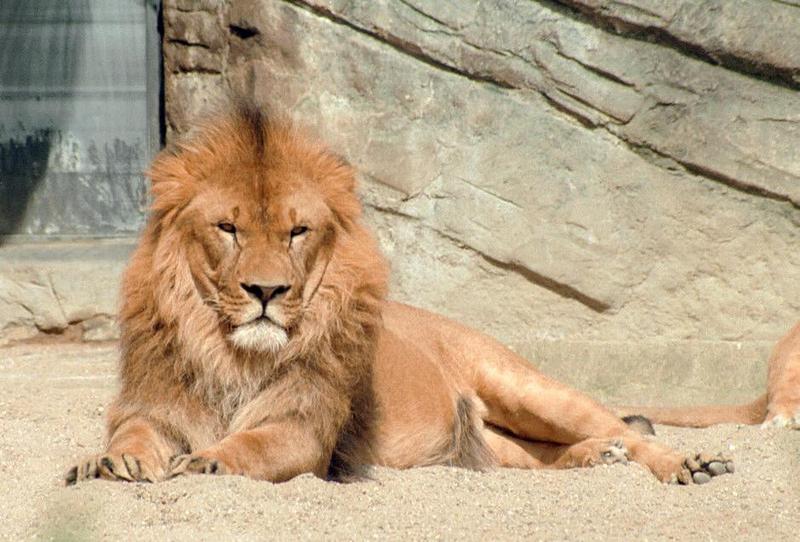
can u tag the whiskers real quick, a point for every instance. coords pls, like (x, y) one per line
(213, 301)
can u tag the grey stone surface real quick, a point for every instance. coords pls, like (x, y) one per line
(193, 29)
(195, 49)
(552, 171)
(195, 5)
(55, 286)
(749, 35)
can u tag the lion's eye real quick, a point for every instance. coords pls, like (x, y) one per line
(298, 230)
(227, 227)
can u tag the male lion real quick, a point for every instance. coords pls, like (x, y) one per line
(779, 407)
(256, 339)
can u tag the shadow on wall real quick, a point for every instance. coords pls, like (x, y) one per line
(40, 51)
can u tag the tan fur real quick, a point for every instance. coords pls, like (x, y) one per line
(333, 377)
(779, 407)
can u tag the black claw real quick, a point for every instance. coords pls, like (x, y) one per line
(107, 463)
(72, 476)
(214, 467)
(133, 465)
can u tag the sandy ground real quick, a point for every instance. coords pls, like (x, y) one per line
(51, 412)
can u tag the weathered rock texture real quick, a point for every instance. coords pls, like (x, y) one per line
(66, 289)
(584, 170)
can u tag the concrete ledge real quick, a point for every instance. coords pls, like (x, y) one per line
(68, 287)
(656, 372)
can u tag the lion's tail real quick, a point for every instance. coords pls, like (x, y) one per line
(701, 416)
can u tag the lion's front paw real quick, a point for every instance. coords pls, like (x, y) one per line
(702, 467)
(195, 464)
(124, 467)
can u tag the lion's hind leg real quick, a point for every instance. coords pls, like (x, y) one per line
(523, 402)
(513, 452)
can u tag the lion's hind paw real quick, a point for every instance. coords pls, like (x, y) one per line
(595, 451)
(616, 452)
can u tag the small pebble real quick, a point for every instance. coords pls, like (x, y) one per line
(701, 478)
(716, 468)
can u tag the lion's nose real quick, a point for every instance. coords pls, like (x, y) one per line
(265, 293)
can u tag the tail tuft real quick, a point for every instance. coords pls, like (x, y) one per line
(468, 448)
(640, 423)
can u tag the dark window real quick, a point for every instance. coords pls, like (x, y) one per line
(79, 95)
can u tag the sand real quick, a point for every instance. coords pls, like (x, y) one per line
(52, 399)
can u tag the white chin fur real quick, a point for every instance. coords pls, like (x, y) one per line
(260, 336)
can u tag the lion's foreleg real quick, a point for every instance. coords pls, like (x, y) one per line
(137, 451)
(289, 429)
(275, 451)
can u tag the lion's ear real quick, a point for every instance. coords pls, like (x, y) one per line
(170, 182)
(342, 196)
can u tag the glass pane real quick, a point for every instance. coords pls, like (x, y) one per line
(74, 120)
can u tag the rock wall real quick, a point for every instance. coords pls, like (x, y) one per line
(575, 170)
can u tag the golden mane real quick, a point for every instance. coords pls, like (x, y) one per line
(169, 334)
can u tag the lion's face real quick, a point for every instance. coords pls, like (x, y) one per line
(257, 211)
(254, 257)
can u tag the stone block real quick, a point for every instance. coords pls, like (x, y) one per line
(189, 95)
(211, 6)
(179, 58)
(198, 29)
(50, 287)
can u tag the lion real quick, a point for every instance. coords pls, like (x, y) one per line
(778, 407)
(257, 339)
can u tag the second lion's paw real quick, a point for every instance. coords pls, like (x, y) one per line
(789, 418)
